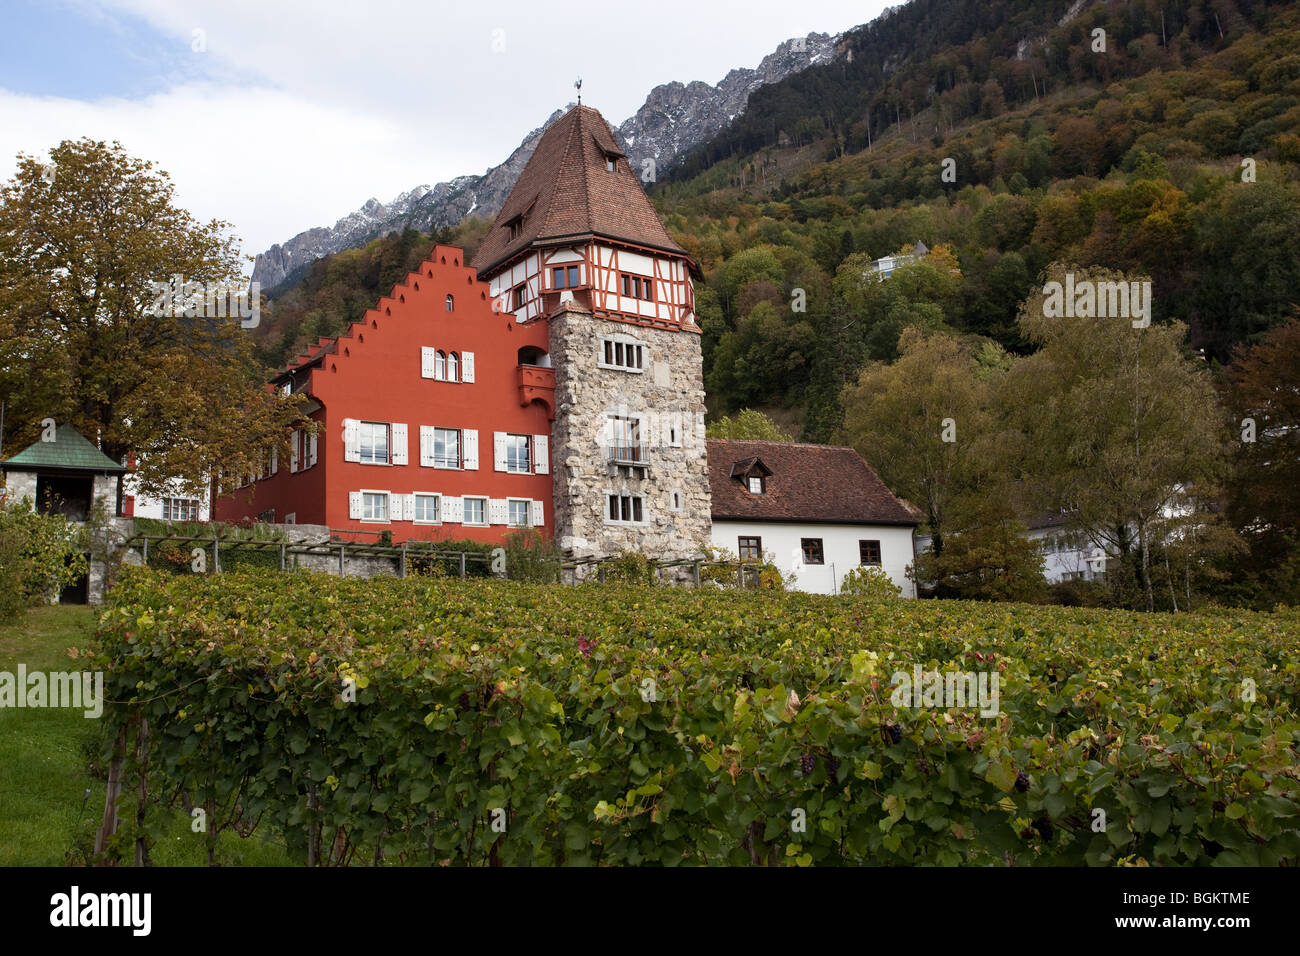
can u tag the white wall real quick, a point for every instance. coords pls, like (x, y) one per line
(782, 545)
(152, 507)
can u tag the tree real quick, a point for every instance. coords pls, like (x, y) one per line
(1264, 406)
(85, 337)
(1118, 423)
(748, 423)
(924, 423)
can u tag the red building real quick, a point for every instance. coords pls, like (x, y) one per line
(435, 420)
(442, 410)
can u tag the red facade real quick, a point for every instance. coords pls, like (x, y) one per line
(397, 421)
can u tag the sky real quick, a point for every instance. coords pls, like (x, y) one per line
(280, 115)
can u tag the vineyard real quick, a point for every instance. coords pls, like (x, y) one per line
(447, 722)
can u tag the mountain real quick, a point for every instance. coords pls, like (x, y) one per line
(674, 118)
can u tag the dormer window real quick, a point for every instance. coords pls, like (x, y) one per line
(515, 227)
(609, 163)
(753, 474)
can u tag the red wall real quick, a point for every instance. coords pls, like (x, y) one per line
(375, 376)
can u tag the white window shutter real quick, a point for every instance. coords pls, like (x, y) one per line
(408, 507)
(275, 461)
(541, 454)
(498, 511)
(293, 451)
(467, 366)
(354, 505)
(351, 439)
(469, 438)
(311, 450)
(399, 443)
(451, 508)
(426, 362)
(499, 451)
(536, 518)
(426, 446)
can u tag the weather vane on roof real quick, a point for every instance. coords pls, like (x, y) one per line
(578, 86)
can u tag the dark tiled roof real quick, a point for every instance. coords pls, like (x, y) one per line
(565, 192)
(70, 451)
(815, 483)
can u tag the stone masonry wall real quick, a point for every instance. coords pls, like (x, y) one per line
(669, 394)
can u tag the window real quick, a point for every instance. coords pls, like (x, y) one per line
(475, 511)
(518, 513)
(180, 509)
(446, 448)
(374, 506)
(372, 438)
(426, 509)
(518, 460)
(440, 365)
(636, 287)
(625, 508)
(812, 551)
(625, 354)
(675, 501)
(451, 303)
(453, 367)
(609, 163)
(521, 290)
(515, 227)
(756, 485)
(869, 552)
(749, 549)
(625, 439)
(566, 277)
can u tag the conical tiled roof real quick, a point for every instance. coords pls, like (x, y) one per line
(567, 193)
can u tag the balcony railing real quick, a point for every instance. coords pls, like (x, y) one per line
(628, 453)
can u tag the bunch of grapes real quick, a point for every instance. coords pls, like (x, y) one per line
(807, 764)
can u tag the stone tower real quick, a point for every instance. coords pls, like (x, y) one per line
(578, 246)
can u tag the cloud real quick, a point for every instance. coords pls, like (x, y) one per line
(268, 161)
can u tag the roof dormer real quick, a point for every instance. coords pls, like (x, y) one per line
(752, 474)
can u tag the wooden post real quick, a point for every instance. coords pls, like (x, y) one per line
(216, 553)
(697, 573)
(402, 571)
(111, 792)
(462, 564)
(313, 830)
(142, 800)
(282, 548)
(146, 550)
(342, 546)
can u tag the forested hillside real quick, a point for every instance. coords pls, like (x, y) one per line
(1173, 155)
(1006, 137)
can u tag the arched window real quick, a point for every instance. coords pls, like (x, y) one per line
(440, 366)
(451, 304)
(453, 371)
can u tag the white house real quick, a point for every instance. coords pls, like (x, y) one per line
(173, 507)
(815, 511)
(1066, 556)
(882, 269)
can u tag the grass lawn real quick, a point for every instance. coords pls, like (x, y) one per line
(49, 758)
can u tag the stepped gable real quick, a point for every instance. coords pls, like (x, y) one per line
(565, 194)
(808, 483)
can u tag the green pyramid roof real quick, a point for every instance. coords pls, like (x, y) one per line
(70, 451)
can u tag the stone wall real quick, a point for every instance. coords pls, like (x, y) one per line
(668, 396)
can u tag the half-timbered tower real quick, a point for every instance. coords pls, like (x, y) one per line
(578, 247)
